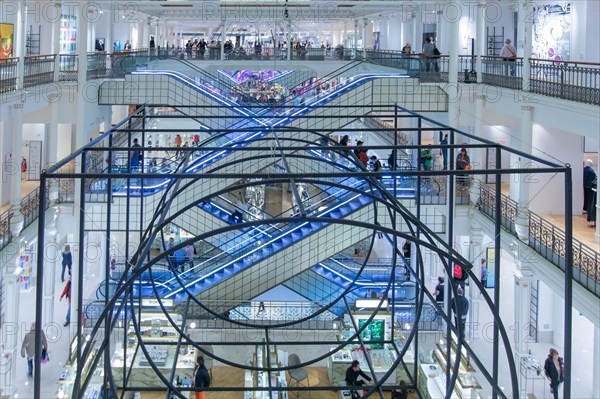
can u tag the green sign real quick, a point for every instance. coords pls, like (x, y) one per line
(375, 331)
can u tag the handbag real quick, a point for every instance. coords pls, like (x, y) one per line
(44, 358)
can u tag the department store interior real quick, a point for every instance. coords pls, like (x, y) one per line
(286, 188)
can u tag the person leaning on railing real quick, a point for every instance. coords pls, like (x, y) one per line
(509, 55)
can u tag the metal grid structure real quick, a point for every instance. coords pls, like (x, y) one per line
(352, 204)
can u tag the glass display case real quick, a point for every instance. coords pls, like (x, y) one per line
(255, 379)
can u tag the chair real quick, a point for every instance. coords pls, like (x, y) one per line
(297, 375)
(208, 360)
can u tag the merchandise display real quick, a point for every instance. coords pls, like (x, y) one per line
(258, 358)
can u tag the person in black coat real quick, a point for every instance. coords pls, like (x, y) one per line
(589, 182)
(352, 374)
(401, 392)
(201, 377)
(460, 307)
(554, 368)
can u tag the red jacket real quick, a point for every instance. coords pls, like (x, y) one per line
(67, 291)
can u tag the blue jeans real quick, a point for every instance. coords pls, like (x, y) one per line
(69, 313)
(29, 366)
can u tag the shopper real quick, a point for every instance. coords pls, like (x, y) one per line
(460, 306)
(361, 153)
(135, 156)
(444, 152)
(201, 378)
(407, 49)
(67, 261)
(429, 54)
(555, 369)
(509, 56)
(109, 392)
(66, 293)
(426, 158)
(401, 392)
(462, 159)
(590, 181)
(28, 348)
(439, 290)
(484, 272)
(352, 374)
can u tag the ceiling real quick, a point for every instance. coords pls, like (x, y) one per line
(249, 11)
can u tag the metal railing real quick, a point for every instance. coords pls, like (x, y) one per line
(39, 69)
(547, 240)
(8, 75)
(30, 207)
(576, 81)
(498, 72)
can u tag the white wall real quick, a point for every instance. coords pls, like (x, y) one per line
(554, 144)
(64, 141)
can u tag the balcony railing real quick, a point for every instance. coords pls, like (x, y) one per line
(8, 75)
(576, 81)
(547, 240)
(30, 207)
(39, 70)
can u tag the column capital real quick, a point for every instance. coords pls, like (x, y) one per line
(480, 97)
(18, 106)
(526, 107)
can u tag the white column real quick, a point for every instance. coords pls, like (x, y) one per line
(355, 42)
(56, 41)
(453, 16)
(289, 40)
(16, 222)
(52, 255)
(12, 333)
(364, 36)
(110, 32)
(81, 138)
(596, 366)
(20, 44)
(527, 20)
(480, 40)
(524, 181)
(223, 37)
(523, 281)
(476, 155)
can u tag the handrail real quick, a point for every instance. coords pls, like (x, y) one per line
(547, 239)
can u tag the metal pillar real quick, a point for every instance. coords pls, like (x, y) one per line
(452, 87)
(355, 43)
(52, 256)
(568, 328)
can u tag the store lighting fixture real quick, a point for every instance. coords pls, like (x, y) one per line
(192, 325)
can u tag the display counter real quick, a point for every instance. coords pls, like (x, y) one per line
(382, 360)
(432, 383)
(163, 357)
(253, 379)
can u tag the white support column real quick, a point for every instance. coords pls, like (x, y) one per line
(453, 17)
(16, 221)
(596, 366)
(110, 30)
(355, 41)
(523, 281)
(527, 21)
(52, 255)
(364, 36)
(480, 40)
(526, 137)
(476, 253)
(223, 36)
(289, 40)
(56, 42)
(476, 155)
(20, 44)
(12, 333)
(81, 138)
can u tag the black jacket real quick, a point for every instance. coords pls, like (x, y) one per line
(201, 377)
(352, 377)
(460, 306)
(551, 371)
